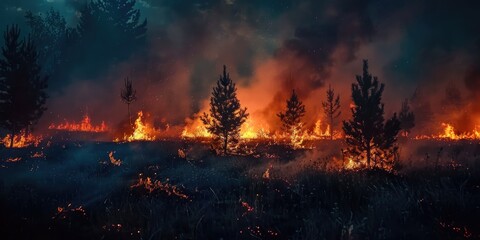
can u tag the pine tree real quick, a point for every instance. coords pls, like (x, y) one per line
(226, 116)
(368, 136)
(128, 95)
(331, 108)
(406, 118)
(293, 114)
(22, 88)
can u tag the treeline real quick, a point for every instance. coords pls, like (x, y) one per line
(108, 31)
(371, 139)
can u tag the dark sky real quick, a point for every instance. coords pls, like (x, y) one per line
(416, 45)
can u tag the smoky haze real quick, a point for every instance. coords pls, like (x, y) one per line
(426, 51)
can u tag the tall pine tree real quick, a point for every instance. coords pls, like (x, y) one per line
(22, 88)
(128, 95)
(293, 114)
(406, 118)
(226, 116)
(331, 108)
(368, 136)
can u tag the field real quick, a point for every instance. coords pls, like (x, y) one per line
(179, 190)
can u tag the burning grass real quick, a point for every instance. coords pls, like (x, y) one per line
(142, 131)
(21, 140)
(83, 126)
(280, 194)
(157, 186)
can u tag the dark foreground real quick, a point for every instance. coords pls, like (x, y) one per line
(73, 191)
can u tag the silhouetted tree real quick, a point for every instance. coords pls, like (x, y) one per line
(55, 44)
(22, 88)
(406, 118)
(293, 114)
(367, 135)
(331, 108)
(226, 116)
(110, 30)
(128, 95)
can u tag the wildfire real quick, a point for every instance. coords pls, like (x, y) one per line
(266, 174)
(449, 133)
(251, 130)
(350, 164)
(196, 132)
(142, 131)
(155, 185)
(115, 162)
(84, 126)
(247, 207)
(14, 159)
(22, 140)
(297, 137)
(318, 130)
(68, 211)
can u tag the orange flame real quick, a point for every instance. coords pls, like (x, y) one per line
(84, 126)
(449, 133)
(115, 162)
(152, 186)
(21, 141)
(141, 132)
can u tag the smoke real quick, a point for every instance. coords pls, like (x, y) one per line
(417, 48)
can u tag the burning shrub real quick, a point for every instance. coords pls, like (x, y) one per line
(84, 126)
(157, 186)
(21, 140)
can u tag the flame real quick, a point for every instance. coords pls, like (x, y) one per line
(115, 162)
(152, 186)
(141, 132)
(350, 164)
(297, 137)
(21, 141)
(266, 174)
(196, 132)
(38, 155)
(247, 207)
(449, 133)
(84, 126)
(14, 159)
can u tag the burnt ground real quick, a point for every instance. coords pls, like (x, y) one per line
(71, 190)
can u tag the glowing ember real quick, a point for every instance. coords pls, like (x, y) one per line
(38, 155)
(65, 212)
(142, 131)
(155, 185)
(14, 159)
(350, 164)
(247, 207)
(21, 141)
(115, 162)
(84, 126)
(266, 174)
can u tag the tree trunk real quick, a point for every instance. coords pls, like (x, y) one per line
(225, 144)
(369, 156)
(12, 137)
(331, 127)
(129, 118)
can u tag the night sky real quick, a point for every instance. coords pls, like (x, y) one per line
(421, 50)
